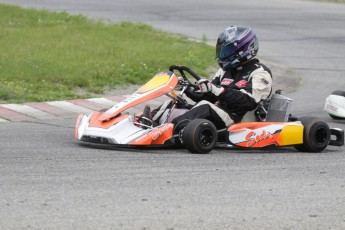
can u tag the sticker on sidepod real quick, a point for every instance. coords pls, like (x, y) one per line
(253, 137)
(157, 81)
(159, 131)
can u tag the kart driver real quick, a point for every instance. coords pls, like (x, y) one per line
(238, 86)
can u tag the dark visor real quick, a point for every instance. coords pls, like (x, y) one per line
(224, 52)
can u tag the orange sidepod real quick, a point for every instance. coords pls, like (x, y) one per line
(251, 125)
(162, 134)
(261, 134)
(291, 135)
(157, 136)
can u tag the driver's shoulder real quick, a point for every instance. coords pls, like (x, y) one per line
(219, 74)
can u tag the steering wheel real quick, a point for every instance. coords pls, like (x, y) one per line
(182, 70)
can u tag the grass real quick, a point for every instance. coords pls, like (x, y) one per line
(53, 56)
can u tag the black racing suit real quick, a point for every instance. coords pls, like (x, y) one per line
(244, 86)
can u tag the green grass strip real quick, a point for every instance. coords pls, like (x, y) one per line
(53, 56)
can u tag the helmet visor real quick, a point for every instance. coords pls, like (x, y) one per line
(224, 52)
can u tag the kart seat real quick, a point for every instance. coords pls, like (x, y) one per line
(258, 114)
(250, 116)
(277, 108)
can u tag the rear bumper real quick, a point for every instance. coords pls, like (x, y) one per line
(337, 137)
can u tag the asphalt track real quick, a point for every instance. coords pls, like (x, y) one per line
(47, 181)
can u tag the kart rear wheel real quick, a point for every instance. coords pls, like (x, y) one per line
(200, 136)
(338, 93)
(316, 135)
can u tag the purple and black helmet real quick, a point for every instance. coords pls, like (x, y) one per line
(236, 45)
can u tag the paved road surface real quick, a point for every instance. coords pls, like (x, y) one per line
(47, 181)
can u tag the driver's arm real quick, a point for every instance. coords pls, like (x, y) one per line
(199, 96)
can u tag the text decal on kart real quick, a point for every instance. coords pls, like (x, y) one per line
(117, 126)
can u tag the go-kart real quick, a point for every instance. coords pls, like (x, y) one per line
(335, 105)
(266, 126)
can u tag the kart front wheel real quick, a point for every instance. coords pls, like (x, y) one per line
(316, 135)
(200, 136)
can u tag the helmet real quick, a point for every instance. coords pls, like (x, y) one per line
(236, 45)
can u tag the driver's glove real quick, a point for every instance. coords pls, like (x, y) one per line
(206, 86)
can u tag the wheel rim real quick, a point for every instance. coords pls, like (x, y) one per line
(321, 136)
(206, 137)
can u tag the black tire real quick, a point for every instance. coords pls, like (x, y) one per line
(200, 136)
(338, 93)
(316, 135)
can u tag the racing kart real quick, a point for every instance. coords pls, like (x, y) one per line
(335, 105)
(270, 125)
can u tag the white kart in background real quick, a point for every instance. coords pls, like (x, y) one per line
(335, 105)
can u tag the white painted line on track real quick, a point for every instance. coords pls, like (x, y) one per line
(68, 106)
(103, 101)
(29, 111)
(3, 120)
